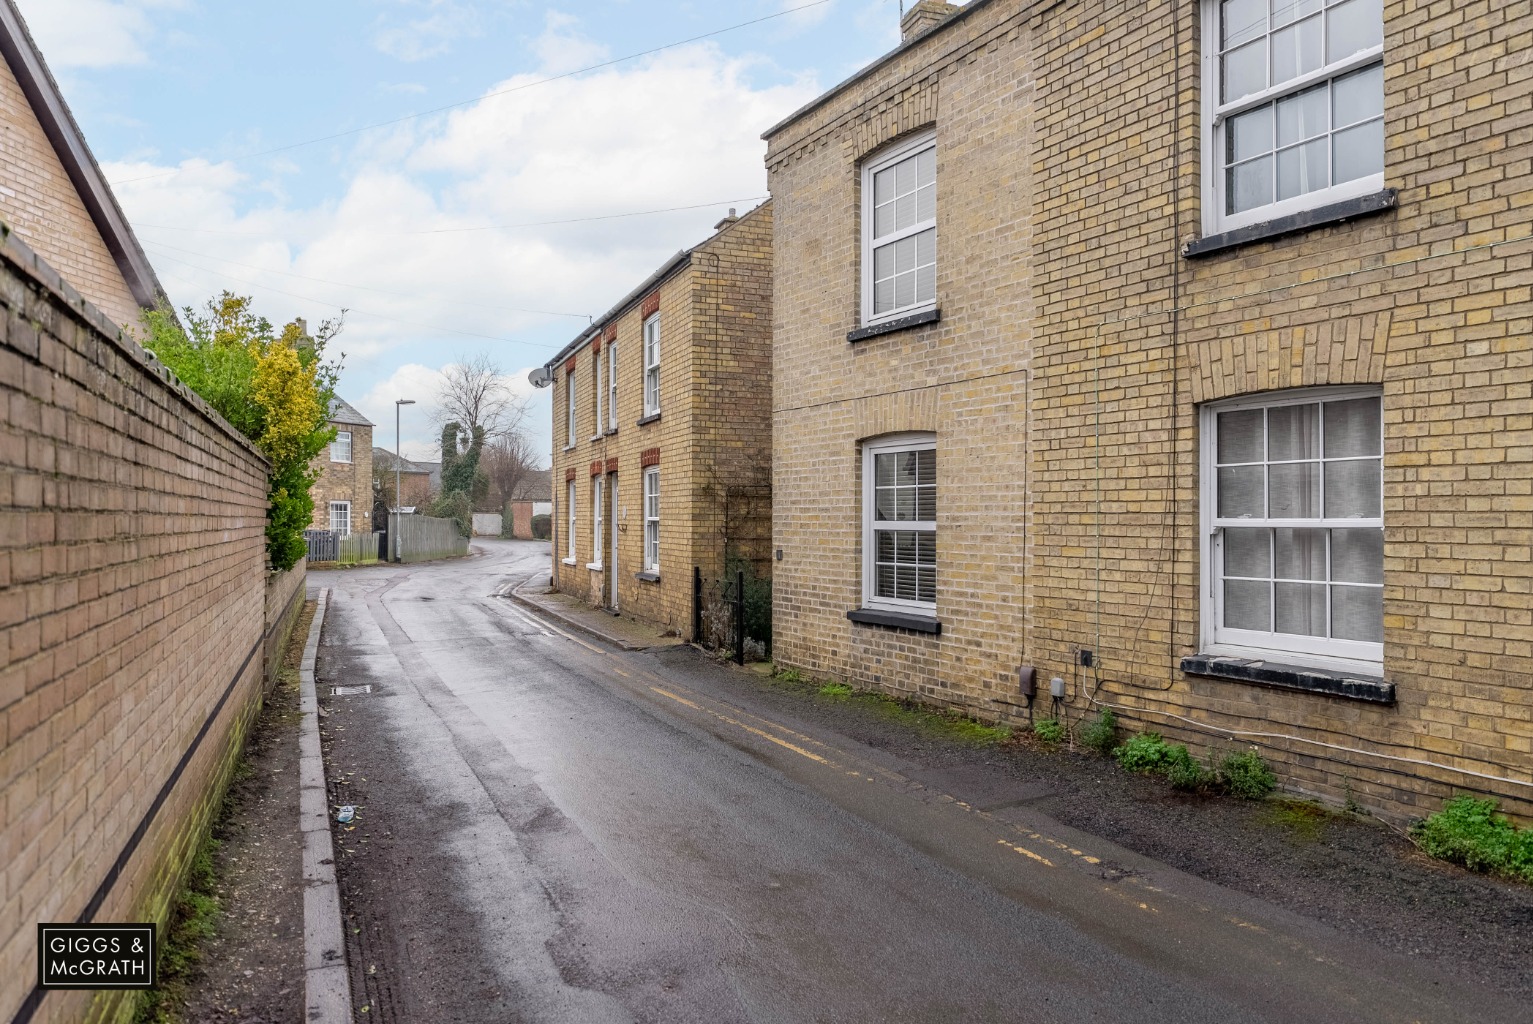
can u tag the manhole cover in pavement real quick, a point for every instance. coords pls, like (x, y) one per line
(350, 691)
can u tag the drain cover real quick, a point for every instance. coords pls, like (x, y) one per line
(350, 691)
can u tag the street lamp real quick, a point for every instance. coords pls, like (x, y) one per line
(397, 459)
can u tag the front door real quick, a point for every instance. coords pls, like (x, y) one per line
(612, 544)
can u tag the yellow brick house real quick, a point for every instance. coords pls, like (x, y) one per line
(1180, 352)
(343, 484)
(662, 430)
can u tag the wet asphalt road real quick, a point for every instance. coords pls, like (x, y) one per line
(550, 830)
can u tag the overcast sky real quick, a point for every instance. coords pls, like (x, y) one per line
(432, 231)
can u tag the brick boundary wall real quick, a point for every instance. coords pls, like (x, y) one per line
(132, 620)
(284, 602)
(521, 520)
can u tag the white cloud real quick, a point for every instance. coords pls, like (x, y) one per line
(431, 32)
(677, 129)
(94, 33)
(562, 49)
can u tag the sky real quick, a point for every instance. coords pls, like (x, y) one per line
(565, 151)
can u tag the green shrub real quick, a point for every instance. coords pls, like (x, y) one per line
(1184, 772)
(1246, 775)
(1049, 730)
(1243, 774)
(273, 387)
(542, 527)
(455, 505)
(758, 602)
(1101, 733)
(1470, 832)
(1145, 754)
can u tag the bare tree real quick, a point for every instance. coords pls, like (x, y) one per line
(474, 393)
(508, 461)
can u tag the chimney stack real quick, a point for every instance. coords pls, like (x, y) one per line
(305, 342)
(924, 16)
(721, 225)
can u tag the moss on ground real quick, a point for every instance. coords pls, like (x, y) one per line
(942, 722)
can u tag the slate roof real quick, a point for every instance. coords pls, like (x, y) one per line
(384, 459)
(342, 411)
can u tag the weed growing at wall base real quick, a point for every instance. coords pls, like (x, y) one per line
(1244, 774)
(1470, 832)
(1146, 754)
(194, 922)
(1184, 772)
(1101, 733)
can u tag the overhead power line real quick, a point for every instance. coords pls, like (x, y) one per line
(486, 227)
(500, 92)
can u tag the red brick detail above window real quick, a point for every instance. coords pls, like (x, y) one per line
(612, 465)
(596, 468)
(611, 334)
(651, 304)
(649, 457)
(569, 365)
(596, 345)
(569, 474)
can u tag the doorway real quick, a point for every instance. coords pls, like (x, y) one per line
(612, 545)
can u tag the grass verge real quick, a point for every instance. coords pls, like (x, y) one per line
(194, 921)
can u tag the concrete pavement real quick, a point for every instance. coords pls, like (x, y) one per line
(552, 829)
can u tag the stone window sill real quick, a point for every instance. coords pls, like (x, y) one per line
(651, 418)
(929, 316)
(895, 620)
(567, 561)
(647, 577)
(1291, 677)
(1335, 213)
(594, 566)
(609, 432)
